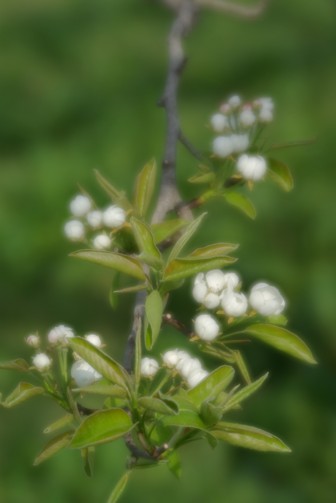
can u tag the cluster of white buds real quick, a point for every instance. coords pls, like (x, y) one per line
(92, 223)
(190, 368)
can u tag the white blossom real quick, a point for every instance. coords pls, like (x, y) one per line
(231, 280)
(42, 362)
(219, 122)
(60, 334)
(188, 365)
(247, 117)
(95, 219)
(102, 242)
(94, 339)
(211, 300)
(266, 299)
(149, 367)
(266, 109)
(74, 230)
(83, 374)
(239, 142)
(114, 216)
(234, 101)
(199, 292)
(196, 377)
(80, 205)
(171, 357)
(251, 167)
(33, 341)
(215, 280)
(206, 327)
(234, 303)
(222, 146)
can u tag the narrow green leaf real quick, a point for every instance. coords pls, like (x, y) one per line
(116, 195)
(280, 174)
(144, 187)
(22, 392)
(241, 202)
(145, 240)
(53, 447)
(249, 437)
(186, 419)
(18, 364)
(155, 405)
(167, 229)
(103, 387)
(100, 361)
(119, 488)
(138, 354)
(60, 423)
(212, 385)
(174, 463)
(211, 413)
(202, 178)
(185, 267)
(188, 232)
(281, 339)
(101, 427)
(242, 366)
(116, 261)
(245, 392)
(88, 460)
(214, 251)
(132, 289)
(154, 311)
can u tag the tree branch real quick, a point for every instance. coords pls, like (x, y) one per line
(242, 11)
(138, 313)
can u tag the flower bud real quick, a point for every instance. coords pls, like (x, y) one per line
(95, 219)
(215, 280)
(231, 280)
(33, 341)
(60, 334)
(234, 101)
(234, 303)
(80, 205)
(94, 339)
(206, 327)
(222, 146)
(172, 357)
(251, 167)
(266, 299)
(246, 117)
(196, 377)
(219, 122)
(74, 230)
(188, 365)
(102, 242)
(149, 367)
(114, 216)
(239, 142)
(83, 374)
(211, 300)
(199, 292)
(42, 362)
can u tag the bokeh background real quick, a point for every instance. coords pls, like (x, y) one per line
(79, 81)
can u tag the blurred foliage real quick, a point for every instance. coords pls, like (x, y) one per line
(79, 80)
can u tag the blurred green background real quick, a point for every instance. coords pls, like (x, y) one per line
(79, 81)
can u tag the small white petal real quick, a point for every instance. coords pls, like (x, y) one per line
(94, 339)
(231, 280)
(215, 280)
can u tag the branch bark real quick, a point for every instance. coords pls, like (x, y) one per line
(235, 9)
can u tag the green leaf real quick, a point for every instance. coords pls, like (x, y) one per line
(240, 201)
(185, 267)
(214, 251)
(138, 354)
(60, 423)
(164, 230)
(249, 437)
(154, 310)
(186, 419)
(103, 387)
(211, 413)
(18, 364)
(100, 361)
(145, 241)
(53, 447)
(101, 427)
(119, 488)
(242, 366)
(22, 392)
(88, 460)
(132, 289)
(245, 392)
(202, 178)
(280, 174)
(155, 405)
(174, 463)
(186, 236)
(116, 261)
(212, 385)
(144, 187)
(116, 195)
(281, 339)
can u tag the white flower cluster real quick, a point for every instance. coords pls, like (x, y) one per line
(216, 289)
(189, 368)
(97, 223)
(236, 124)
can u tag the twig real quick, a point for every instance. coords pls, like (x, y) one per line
(242, 11)
(178, 325)
(137, 316)
(190, 147)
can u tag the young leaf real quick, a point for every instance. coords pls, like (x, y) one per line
(185, 267)
(211, 413)
(213, 251)
(242, 366)
(154, 310)
(249, 437)
(155, 405)
(144, 188)
(116, 195)
(103, 387)
(240, 201)
(101, 427)
(164, 230)
(116, 261)
(22, 392)
(88, 460)
(119, 488)
(244, 393)
(201, 178)
(186, 236)
(212, 385)
(52, 447)
(280, 174)
(281, 339)
(100, 361)
(18, 364)
(60, 423)
(174, 463)
(137, 356)
(186, 419)
(145, 240)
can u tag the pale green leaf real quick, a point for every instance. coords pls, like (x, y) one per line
(116, 261)
(18, 364)
(165, 230)
(101, 427)
(281, 339)
(154, 310)
(280, 173)
(144, 188)
(174, 463)
(59, 423)
(116, 195)
(185, 267)
(213, 251)
(188, 232)
(138, 354)
(145, 241)
(249, 437)
(22, 392)
(212, 385)
(119, 488)
(244, 393)
(241, 202)
(155, 405)
(53, 447)
(186, 419)
(103, 387)
(202, 178)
